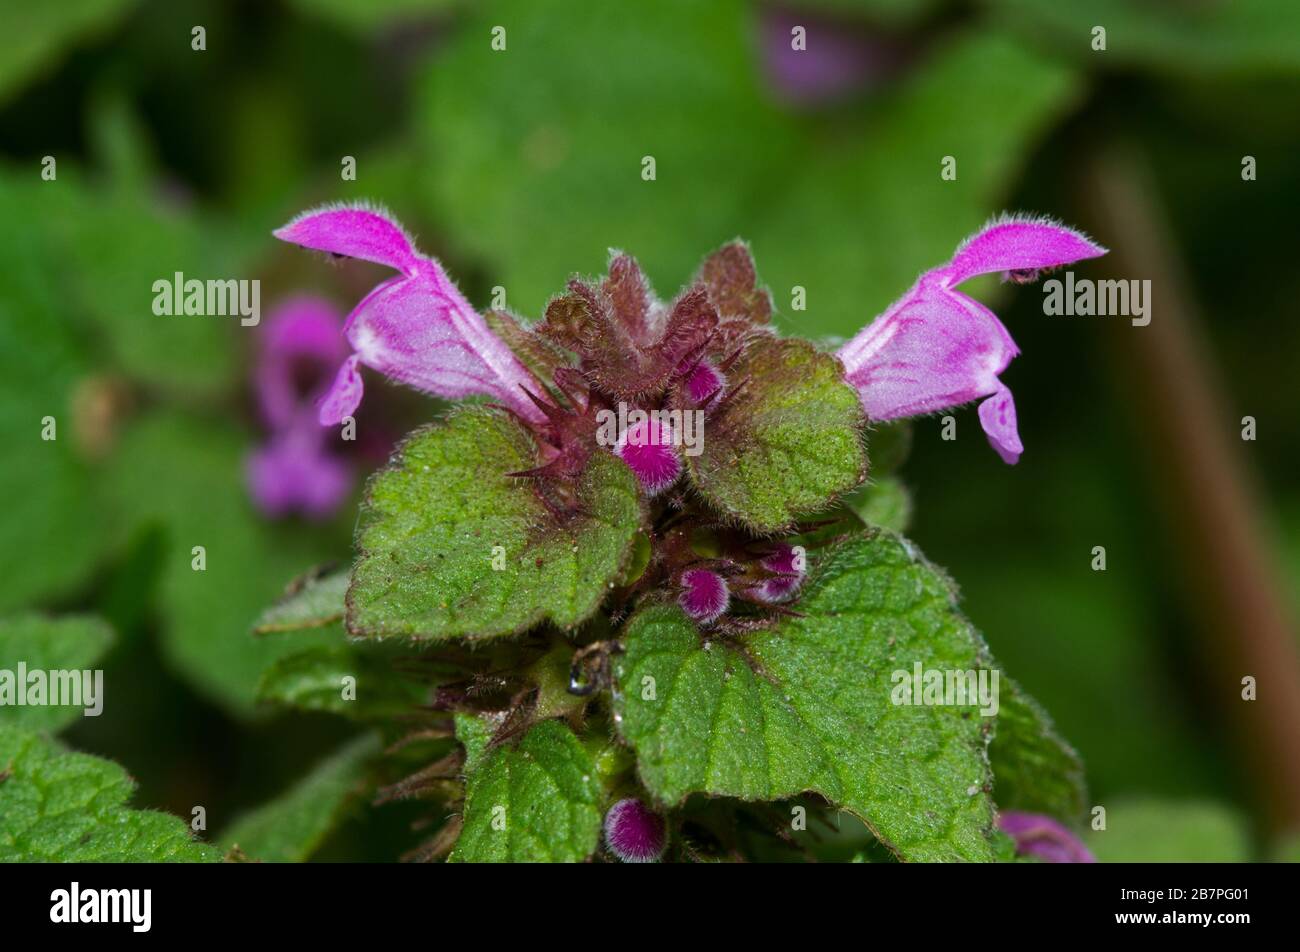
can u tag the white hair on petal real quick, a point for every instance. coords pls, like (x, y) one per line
(357, 205)
(1022, 218)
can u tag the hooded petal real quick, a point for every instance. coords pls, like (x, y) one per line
(417, 328)
(1019, 244)
(357, 231)
(937, 348)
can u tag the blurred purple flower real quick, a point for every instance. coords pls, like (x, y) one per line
(936, 348)
(1044, 839)
(840, 57)
(294, 471)
(416, 328)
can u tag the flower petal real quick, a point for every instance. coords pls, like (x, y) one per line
(704, 596)
(998, 417)
(648, 447)
(358, 231)
(1044, 838)
(934, 349)
(1019, 244)
(344, 396)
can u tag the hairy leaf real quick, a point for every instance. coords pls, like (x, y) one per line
(66, 807)
(313, 603)
(787, 443)
(432, 524)
(1034, 769)
(313, 680)
(808, 705)
(538, 801)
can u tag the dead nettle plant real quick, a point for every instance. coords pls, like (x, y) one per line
(591, 643)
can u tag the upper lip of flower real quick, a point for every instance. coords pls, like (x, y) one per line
(415, 327)
(936, 348)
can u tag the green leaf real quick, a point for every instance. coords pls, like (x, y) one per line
(33, 36)
(57, 806)
(808, 704)
(786, 444)
(1165, 831)
(46, 389)
(292, 827)
(430, 524)
(207, 612)
(312, 680)
(1034, 769)
(538, 802)
(865, 211)
(313, 602)
(50, 644)
(1242, 37)
(541, 150)
(883, 502)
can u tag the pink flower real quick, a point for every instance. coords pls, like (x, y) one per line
(936, 348)
(1043, 838)
(294, 471)
(635, 833)
(788, 568)
(416, 328)
(704, 595)
(647, 446)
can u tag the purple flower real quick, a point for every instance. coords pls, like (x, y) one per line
(634, 832)
(416, 328)
(294, 471)
(647, 446)
(1043, 838)
(787, 565)
(704, 595)
(936, 348)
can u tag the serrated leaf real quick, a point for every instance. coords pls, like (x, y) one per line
(537, 802)
(431, 521)
(313, 680)
(1034, 769)
(49, 644)
(787, 443)
(316, 602)
(807, 706)
(1169, 831)
(292, 827)
(58, 806)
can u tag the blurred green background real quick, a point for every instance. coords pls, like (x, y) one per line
(520, 167)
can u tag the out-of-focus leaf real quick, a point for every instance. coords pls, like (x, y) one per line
(315, 602)
(1169, 831)
(292, 827)
(54, 532)
(66, 807)
(866, 211)
(35, 35)
(369, 16)
(1242, 36)
(194, 473)
(540, 148)
(71, 644)
(313, 680)
(883, 502)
